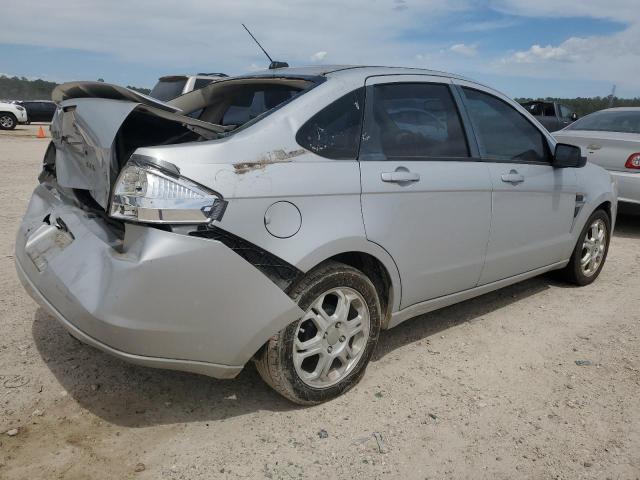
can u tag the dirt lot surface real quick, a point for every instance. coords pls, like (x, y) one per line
(489, 388)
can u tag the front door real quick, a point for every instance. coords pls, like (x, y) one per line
(533, 202)
(425, 197)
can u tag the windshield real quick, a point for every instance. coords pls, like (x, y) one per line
(609, 121)
(168, 89)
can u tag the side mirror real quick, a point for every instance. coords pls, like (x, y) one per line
(574, 116)
(568, 156)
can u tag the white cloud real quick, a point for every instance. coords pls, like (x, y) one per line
(620, 10)
(464, 49)
(318, 56)
(207, 35)
(487, 26)
(202, 32)
(613, 58)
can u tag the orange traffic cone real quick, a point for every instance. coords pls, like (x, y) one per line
(41, 133)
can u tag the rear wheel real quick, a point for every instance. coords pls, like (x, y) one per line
(591, 250)
(7, 121)
(324, 353)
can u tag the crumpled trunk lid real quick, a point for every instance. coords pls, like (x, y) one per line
(83, 132)
(85, 127)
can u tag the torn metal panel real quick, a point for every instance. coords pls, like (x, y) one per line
(84, 131)
(70, 90)
(179, 297)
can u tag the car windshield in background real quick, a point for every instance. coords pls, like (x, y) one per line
(623, 121)
(168, 89)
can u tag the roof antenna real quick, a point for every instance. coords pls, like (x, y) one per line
(274, 63)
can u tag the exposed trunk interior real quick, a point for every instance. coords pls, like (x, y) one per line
(101, 125)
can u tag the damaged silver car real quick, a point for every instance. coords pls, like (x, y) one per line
(286, 217)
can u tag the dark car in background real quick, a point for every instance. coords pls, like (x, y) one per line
(39, 110)
(553, 115)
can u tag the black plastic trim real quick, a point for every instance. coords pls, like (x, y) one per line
(280, 272)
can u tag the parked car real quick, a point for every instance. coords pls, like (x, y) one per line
(11, 115)
(611, 139)
(172, 86)
(291, 238)
(552, 115)
(39, 110)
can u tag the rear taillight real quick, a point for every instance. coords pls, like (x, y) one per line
(633, 161)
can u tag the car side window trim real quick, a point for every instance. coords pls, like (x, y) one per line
(482, 155)
(471, 142)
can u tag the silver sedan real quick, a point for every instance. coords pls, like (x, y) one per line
(289, 216)
(611, 138)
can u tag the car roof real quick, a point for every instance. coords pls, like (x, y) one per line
(622, 109)
(179, 76)
(362, 71)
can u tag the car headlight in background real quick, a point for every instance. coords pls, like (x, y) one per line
(154, 192)
(20, 108)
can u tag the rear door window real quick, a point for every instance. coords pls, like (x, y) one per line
(565, 112)
(334, 131)
(503, 133)
(201, 82)
(248, 103)
(168, 89)
(412, 121)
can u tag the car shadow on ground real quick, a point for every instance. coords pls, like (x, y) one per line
(134, 396)
(628, 224)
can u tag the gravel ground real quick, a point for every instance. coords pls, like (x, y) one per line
(488, 388)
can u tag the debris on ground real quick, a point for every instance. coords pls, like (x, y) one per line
(583, 363)
(13, 432)
(140, 467)
(323, 433)
(380, 442)
(14, 381)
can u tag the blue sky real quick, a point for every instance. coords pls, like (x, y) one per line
(522, 47)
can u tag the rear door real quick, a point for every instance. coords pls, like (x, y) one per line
(426, 198)
(48, 109)
(533, 203)
(33, 111)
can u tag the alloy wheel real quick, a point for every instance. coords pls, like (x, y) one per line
(593, 247)
(331, 337)
(6, 121)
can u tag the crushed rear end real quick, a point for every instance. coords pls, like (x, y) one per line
(136, 287)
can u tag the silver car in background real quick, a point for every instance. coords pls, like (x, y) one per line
(611, 138)
(300, 212)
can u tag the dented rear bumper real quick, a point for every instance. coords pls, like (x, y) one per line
(156, 298)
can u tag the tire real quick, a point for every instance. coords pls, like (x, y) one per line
(575, 272)
(351, 291)
(8, 121)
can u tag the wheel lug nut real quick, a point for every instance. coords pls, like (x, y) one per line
(329, 349)
(338, 325)
(342, 338)
(325, 335)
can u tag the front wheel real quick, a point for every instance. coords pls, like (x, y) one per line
(7, 121)
(324, 353)
(591, 250)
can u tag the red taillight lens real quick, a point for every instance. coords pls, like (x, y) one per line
(633, 161)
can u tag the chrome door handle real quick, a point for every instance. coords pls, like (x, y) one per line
(400, 176)
(513, 177)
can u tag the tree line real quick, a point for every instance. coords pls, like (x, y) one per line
(585, 105)
(21, 88)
